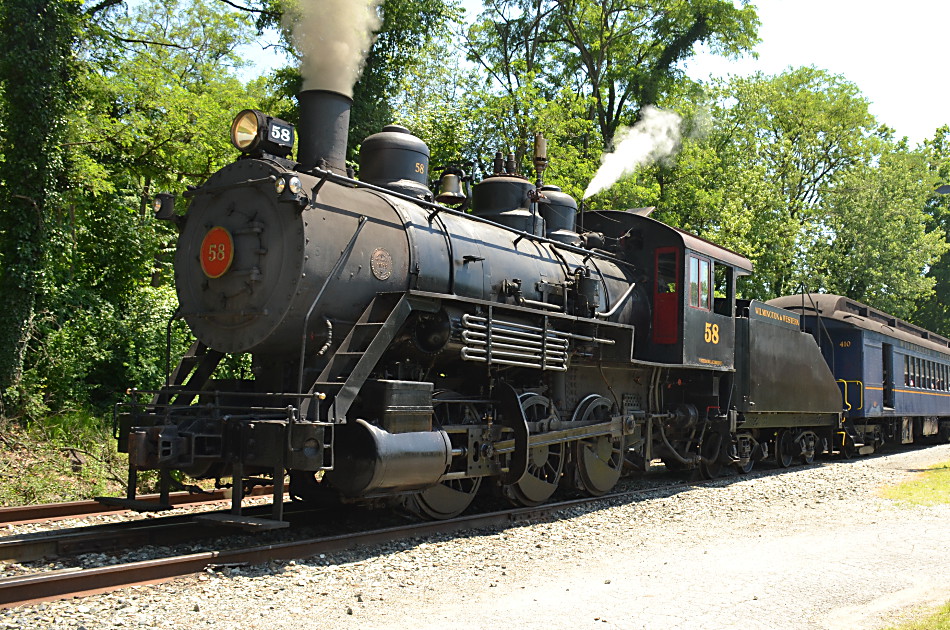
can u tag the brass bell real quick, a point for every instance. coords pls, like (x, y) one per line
(450, 190)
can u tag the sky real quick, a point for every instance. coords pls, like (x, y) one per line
(895, 52)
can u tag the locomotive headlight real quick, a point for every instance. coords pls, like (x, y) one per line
(295, 186)
(256, 132)
(246, 128)
(280, 184)
(164, 206)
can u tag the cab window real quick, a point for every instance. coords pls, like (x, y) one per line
(666, 279)
(723, 297)
(700, 282)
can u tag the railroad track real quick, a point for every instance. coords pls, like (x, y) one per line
(18, 515)
(74, 582)
(77, 581)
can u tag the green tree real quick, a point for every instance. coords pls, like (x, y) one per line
(934, 312)
(873, 219)
(408, 27)
(37, 72)
(628, 51)
(796, 174)
(617, 55)
(152, 114)
(759, 180)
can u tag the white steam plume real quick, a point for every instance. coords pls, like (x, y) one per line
(655, 136)
(333, 37)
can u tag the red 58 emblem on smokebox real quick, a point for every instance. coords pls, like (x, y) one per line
(217, 252)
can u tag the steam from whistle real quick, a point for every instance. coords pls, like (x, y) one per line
(333, 37)
(656, 136)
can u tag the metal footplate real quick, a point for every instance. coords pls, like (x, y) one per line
(247, 523)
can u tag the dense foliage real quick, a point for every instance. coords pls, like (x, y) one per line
(103, 105)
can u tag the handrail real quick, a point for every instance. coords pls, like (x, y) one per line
(344, 255)
(860, 385)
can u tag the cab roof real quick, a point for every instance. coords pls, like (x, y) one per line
(615, 223)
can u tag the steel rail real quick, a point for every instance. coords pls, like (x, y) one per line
(63, 583)
(73, 582)
(116, 537)
(22, 514)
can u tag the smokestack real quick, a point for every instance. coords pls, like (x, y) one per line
(333, 38)
(324, 129)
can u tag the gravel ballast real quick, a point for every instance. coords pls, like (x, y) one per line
(813, 547)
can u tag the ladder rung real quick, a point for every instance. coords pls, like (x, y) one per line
(327, 384)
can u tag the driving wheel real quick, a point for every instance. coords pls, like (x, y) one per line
(596, 461)
(545, 463)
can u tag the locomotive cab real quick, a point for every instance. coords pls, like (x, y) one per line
(692, 286)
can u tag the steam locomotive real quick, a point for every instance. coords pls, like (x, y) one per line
(406, 352)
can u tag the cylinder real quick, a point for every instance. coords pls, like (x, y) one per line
(324, 130)
(372, 462)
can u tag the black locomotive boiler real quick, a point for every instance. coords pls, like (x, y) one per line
(406, 352)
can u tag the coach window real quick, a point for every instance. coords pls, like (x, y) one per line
(699, 283)
(906, 370)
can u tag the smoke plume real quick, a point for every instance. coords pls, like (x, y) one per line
(655, 136)
(333, 37)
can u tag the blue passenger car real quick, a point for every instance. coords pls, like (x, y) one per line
(894, 377)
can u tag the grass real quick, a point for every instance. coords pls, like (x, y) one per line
(67, 457)
(928, 488)
(940, 620)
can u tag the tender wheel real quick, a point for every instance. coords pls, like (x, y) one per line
(598, 461)
(784, 445)
(745, 469)
(745, 451)
(446, 500)
(848, 449)
(711, 450)
(545, 463)
(809, 446)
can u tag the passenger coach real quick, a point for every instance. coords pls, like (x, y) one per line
(894, 377)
